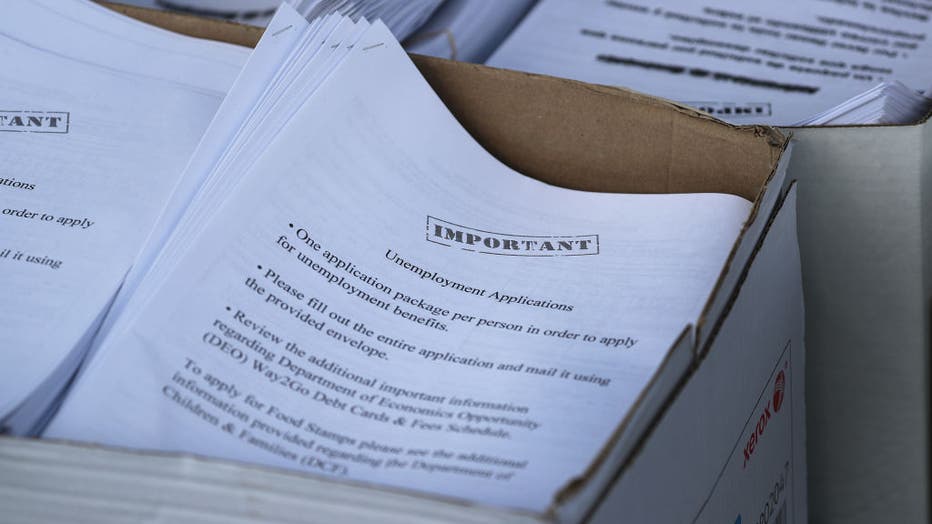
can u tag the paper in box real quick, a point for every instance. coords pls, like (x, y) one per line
(864, 246)
(588, 137)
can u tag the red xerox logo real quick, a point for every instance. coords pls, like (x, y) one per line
(778, 387)
(774, 403)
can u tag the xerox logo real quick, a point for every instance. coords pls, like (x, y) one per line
(778, 387)
(774, 403)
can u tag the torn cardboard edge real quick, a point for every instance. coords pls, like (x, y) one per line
(767, 205)
(738, 263)
(685, 377)
(649, 406)
(722, 298)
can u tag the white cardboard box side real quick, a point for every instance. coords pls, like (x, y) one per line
(866, 274)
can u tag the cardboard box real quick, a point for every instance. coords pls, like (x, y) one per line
(717, 435)
(865, 214)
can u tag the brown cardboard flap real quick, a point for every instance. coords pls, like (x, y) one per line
(569, 133)
(599, 138)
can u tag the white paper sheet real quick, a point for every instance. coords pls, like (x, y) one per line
(774, 63)
(885, 103)
(93, 138)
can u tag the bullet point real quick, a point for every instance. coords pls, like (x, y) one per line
(260, 267)
(290, 225)
(228, 308)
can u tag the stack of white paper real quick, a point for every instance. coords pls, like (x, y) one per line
(774, 63)
(100, 113)
(885, 103)
(345, 283)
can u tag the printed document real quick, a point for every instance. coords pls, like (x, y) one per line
(358, 290)
(93, 138)
(774, 63)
